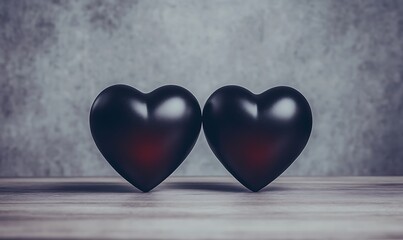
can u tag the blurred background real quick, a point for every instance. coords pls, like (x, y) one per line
(346, 57)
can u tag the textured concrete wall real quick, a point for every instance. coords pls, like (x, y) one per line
(346, 57)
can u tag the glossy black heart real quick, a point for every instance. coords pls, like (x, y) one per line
(145, 137)
(257, 137)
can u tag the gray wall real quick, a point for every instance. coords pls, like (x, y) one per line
(346, 57)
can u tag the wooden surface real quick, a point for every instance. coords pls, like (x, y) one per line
(193, 208)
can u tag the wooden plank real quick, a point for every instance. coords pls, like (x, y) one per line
(202, 208)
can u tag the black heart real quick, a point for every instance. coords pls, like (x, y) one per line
(145, 137)
(257, 137)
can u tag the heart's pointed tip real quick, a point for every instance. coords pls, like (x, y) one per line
(255, 190)
(145, 189)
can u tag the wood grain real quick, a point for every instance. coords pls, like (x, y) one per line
(202, 208)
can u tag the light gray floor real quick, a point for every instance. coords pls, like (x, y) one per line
(202, 208)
